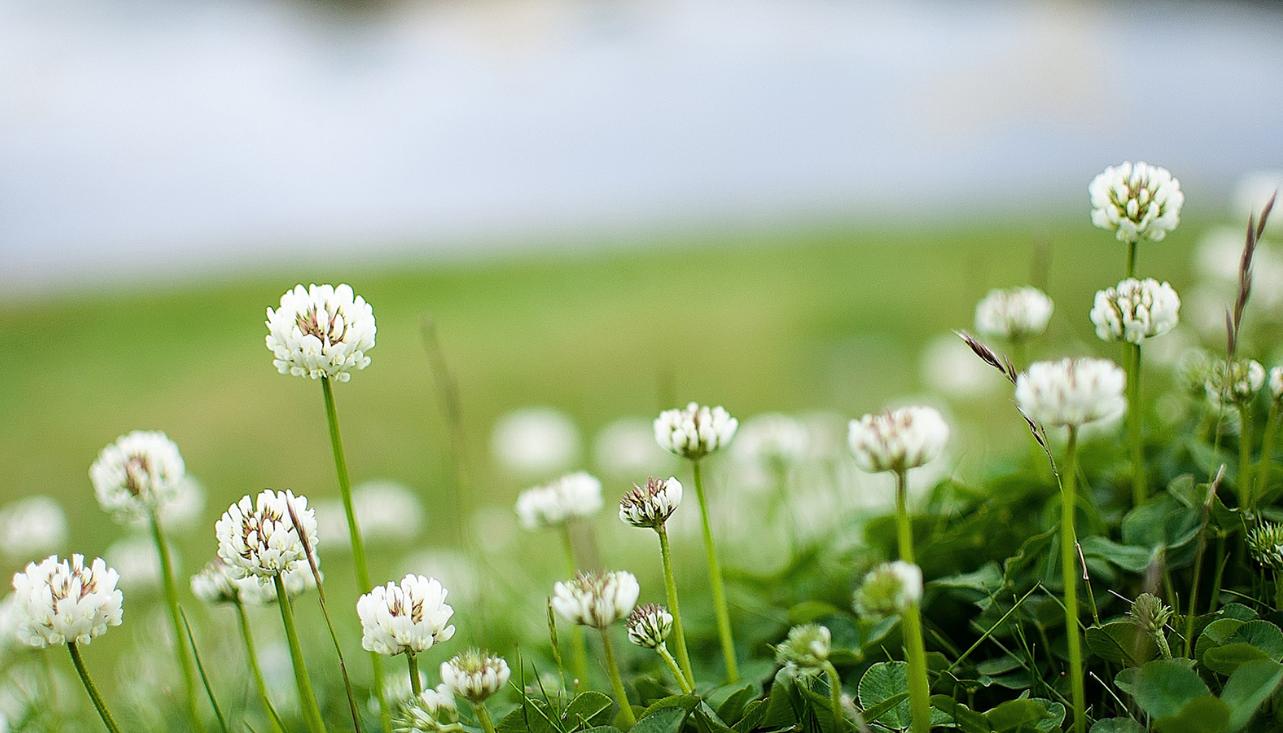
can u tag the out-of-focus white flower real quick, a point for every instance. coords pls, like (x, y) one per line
(213, 584)
(1014, 314)
(297, 582)
(897, 440)
(1136, 201)
(182, 511)
(1251, 193)
(320, 331)
(947, 366)
(431, 711)
(456, 570)
(1276, 383)
(257, 537)
(405, 618)
(475, 675)
(8, 622)
(135, 559)
(889, 589)
(649, 625)
(1071, 392)
(806, 649)
(137, 474)
(1233, 383)
(387, 512)
(535, 442)
(694, 431)
(31, 526)
(572, 496)
(652, 504)
(596, 599)
(626, 447)
(772, 439)
(64, 601)
(1135, 310)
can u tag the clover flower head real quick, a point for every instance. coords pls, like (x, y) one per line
(649, 625)
(573, 496)
(1136, 201)
(1234, 383)
(596, 599)
(1135, 310)
(475, 674)
(1265, 541)
(889, 589)
(897, 440)
(694, 431)
(31, 525)
(320, 331)
(535, 441)
(1193, 369)
(1071, 392)
(1276, 383)
(138, 473)
(135, 559)
(772, 440)
(431, 711)
(215, 585)
(257, 537)
(64, 601)
(1150, 613)
(652, 504)
(405, 618)
(807, 648)
(1014, 314)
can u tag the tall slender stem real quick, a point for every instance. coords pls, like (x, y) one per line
(716, 586)
(671, 663)
(1245, 458)
(835, 695)
(578, 647)
(1131, 259)
(616, 681)
(670, 589)
(416, 684)
(1069, 576)
(911, 620)
(90, 688)
(1267, 450)
(251, 656)
(171, 602)
(306, 698)
(354, 536)
(483, 717)
(1135, 426)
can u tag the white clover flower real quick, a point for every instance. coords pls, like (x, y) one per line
(136, 561)
(889, 589)
(1276, 383)
(626, 447)
(297, 582)
(573, 496)
(772, 439)
(138, 474)
(182, 511)
(388, 513)
(1135, 310)
(1071, 392)
(258, 538)
(1014, 314)
(431, 711)
(405, 618)
(475, 675)
(695, 431)
(321, 331)
(651, 505)
(31, 526)
(649, 626)
(1136, 201)
(64, 601)
(1234, 383)
(535, 441)
(807, 648)
(8, 622)
(214, 584)
(897, 440)
(947, 366)
(596, 599)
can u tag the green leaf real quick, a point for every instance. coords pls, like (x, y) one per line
(810, 611)
(986, 581)
(685, 703)
(1053, 719)
(1163, 687)
(666, 720)
(1214, 634)
(1117, 725)
(754, 713)
(1248, 688)
(1226, 658)
(968, 720)
(1160, 523)
(1128, 557)
(782, 706)
(589, 709)
(1261, 634)
(733, 706)
(1121, 641)
(1203, 714)
(882, 694)
(1017, 714)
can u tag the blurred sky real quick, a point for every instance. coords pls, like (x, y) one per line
(145, 138)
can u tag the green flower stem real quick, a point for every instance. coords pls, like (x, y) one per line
(911, 619)
(616, 681)
(96, 698)
(672, 667)
(416, 685)
(1069, 575)
(483, 717)
(1267, 450)
(578, 646)
(251, 656)
(354, 536)
(670, 589)
(835, 695)
(1135, 426)
(1245, 458)
(716, 586)
(1131, 259)
(171, 602)
(306, 698)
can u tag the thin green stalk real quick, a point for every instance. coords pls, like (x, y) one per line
(716, 586)
(1267, 450)
(1068, 543)
(616, 681)
(1245, 458)
(483, 717)
(354, 536)
(578, 646)
(306, 698)
(911, 619)
(1217, 574)
(204, 678)
(171, 603)
(553, 644)
(1131, 259)
(416, 684)
(835, 695)
(1192, 609)
(682, 682)
(1135, 427)
(90, 688)
(670, 589)
(252, 657)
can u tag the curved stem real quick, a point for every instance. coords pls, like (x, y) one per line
(251, 656)
(672, 667)
(90, 688)
(835, 695)
(1135, 427)
(416, 685)
(483, 717)
(1069, 576)
(578, 647)
(670, 589)
(716, 586)
(616, 681)
(911, 619)
(171, 603)
(306, 698)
